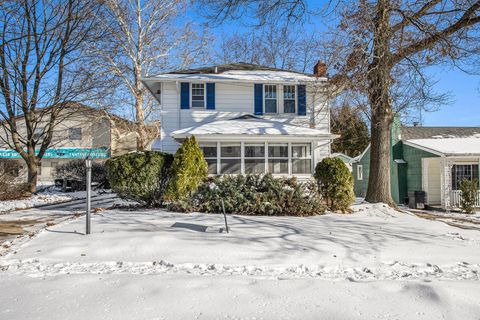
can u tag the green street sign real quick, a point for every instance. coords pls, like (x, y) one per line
(63, 153)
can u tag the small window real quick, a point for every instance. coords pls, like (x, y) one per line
(230, 162)
(462, 172)
(37, 134)
(359, 172)
(254, 158)
(289, 99)
(75, 134)
(198, 95)
(270, 98)
(210, 155)
(301, 159)
(278, 158)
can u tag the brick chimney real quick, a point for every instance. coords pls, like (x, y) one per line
(320, 69)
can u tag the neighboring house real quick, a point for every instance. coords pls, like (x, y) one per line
(82, 131)
(247, 118)
(346, 159)
(430, 159)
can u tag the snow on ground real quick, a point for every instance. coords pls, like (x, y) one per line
(33, 201)
(373, 264)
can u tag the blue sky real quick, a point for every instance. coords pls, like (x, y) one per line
(464, 106)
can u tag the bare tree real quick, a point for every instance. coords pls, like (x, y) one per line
(139, 38)
(386, 47)
(39, 52)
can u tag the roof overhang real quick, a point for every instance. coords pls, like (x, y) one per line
(440, 153)
(251, 137)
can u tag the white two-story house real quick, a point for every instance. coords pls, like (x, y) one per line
(247, 118)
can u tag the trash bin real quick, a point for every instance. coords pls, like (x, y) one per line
(416, 200)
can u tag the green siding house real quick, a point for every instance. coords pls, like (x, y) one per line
(429, 159)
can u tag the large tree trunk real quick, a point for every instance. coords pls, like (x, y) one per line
(32, 179)
(379, 82)
(140, 122)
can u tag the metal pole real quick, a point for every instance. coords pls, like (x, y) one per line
(224, 216)
(88, 164)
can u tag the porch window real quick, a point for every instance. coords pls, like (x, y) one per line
(270, 98)
(254, 158)
(198, 95)
(289, 99)
(278, 158)
(301, 159)
(230, 162)
(210, 155)
(462, 172)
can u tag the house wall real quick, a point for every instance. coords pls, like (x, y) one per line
(360, 186)
(413, 157)
(231, 100)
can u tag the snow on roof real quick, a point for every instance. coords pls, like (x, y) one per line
(448, 145)
(240, 76)
(250, 126)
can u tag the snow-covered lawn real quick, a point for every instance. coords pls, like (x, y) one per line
(33, 201)
(373, 264)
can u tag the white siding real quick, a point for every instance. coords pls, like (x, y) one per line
(233, 100)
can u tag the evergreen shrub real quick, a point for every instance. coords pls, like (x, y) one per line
(335, 182)
(468, 189)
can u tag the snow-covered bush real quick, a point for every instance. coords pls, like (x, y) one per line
(187, 172)
(254, 195)
(76, 172)
(140, 176)
(11, 186)
(468, 189)
(335, 182)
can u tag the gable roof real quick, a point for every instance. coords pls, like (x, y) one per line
(409, 133)
(464, 146)
(236, 72)
(240, 66)
(252, 126)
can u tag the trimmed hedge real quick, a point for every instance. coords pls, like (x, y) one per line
(254, 195)
(335, 182)
(140, 176)
(188, 170)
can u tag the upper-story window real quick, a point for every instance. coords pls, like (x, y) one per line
(289, 99)
(198, 95)
(270, 98)
(75, 134)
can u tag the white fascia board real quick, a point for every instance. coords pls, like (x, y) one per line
(359, 158)
(276, 138)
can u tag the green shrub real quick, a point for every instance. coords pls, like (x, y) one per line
(335, 182)
(254, 195)
(140, 176)
(468, 189)
(188, 170)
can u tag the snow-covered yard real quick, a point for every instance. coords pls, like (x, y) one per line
(373, 264)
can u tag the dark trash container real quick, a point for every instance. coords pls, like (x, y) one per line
(416, 200)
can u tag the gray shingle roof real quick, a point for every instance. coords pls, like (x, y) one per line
(409, 133)
(230, 66)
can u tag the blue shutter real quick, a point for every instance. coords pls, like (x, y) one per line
(258, 92)
(302, 100)
(211, 96)
(184, 95)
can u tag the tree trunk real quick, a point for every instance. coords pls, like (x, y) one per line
(140, 123)
(379, 82)
(32, 168)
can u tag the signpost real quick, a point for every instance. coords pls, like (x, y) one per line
(88, 165)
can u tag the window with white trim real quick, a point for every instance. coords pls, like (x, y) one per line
(210, 155)
(270, 98)
(301, 158)
(198, 95)
(278, 158)
(254, 158)
(462, 172)
(359, 172)
(74, 134)
(289, 99)
(230, 158)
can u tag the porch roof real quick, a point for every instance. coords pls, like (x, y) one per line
(251, 127)
(446, 146)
